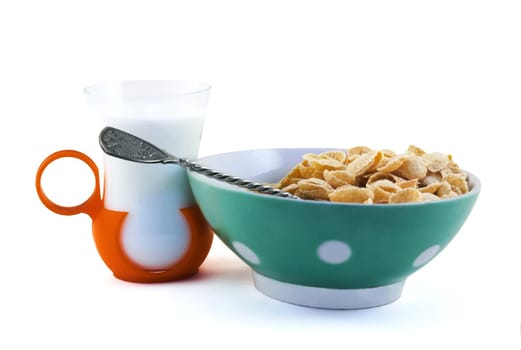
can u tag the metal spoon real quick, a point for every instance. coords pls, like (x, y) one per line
(126, 146)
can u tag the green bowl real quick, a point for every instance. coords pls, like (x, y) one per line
(321, 254)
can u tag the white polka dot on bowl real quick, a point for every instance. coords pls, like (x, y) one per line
(426, 255)
(246, 253)
(334, 252)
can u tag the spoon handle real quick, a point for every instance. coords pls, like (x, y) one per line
(234, 180)
(121, 144)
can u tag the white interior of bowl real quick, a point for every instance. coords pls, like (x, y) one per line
(267, 165)
(263, 165)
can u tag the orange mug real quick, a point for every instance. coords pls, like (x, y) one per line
(108, 229)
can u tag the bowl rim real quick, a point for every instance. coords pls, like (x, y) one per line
(473, 181)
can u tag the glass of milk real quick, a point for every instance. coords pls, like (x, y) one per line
(170, 114)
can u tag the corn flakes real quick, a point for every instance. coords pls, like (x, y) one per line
(363, 175)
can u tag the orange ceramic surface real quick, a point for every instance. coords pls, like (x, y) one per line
(107, 229)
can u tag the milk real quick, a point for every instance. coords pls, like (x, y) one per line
(155, 234)
(170, 115)
(130, 181)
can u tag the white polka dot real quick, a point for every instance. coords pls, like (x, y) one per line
(426, 256)
(247, 254)
(334, 252)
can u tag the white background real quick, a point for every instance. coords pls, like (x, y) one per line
(444, 75)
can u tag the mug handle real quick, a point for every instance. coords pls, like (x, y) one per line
(91, 206)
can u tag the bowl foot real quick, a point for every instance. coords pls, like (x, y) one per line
(327, 298)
